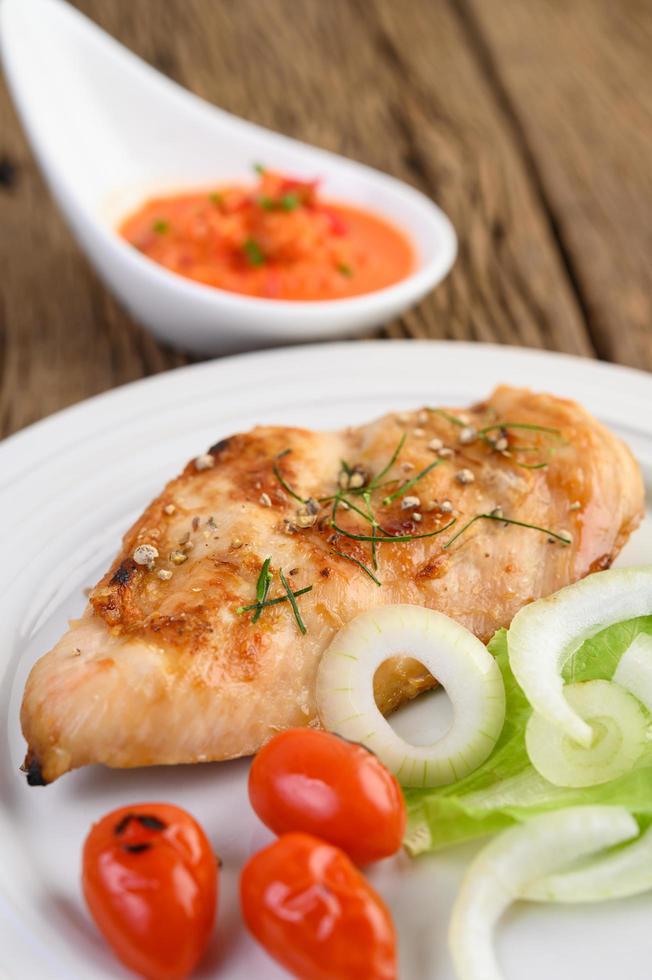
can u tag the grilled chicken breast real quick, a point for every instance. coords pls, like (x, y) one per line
(165, 667)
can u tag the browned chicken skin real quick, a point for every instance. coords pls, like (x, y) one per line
(163, 668)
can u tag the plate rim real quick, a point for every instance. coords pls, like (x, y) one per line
(600, 369)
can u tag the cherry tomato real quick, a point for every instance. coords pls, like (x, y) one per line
(318, 783)
(313, 911)
(150, 880)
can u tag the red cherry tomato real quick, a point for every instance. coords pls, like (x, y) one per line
(150, 880)
(315, 782)
(313, 911)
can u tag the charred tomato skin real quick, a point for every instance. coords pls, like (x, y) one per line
(313, 781)
(150, 880)
(312, 910)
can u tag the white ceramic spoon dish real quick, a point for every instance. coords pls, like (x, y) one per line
(109, 131)
(71, 484)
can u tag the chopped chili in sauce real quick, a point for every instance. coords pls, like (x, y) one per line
(277, 240)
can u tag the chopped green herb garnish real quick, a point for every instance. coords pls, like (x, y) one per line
(374, 547)
(390, 538)
(161, 226)
(293, 602)
(374, 525)
(410, 483)
(395, 455)
(262, 588)
(518, 425)
(286, 486)
(343, 499)
(506, 520)
(345, 270)
(453, 419)
(360, 564)
(502, 427)
(530, 466)
(289, 202)
(272, 602)
(378, 534)
(254, 252)
(260, 169)
(216, 198)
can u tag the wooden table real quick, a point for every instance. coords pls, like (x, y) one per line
(530, 123)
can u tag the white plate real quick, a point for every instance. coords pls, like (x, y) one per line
(71, 484)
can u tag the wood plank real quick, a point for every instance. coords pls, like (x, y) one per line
(509, 284)
(578, 78)
(394, 85)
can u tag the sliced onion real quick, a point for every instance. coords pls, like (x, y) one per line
(619, 728)
(544, 634)
(503, 869)
(634, 672)
(619, 875)
(459, 661)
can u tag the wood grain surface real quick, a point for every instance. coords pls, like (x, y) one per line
(529, 123)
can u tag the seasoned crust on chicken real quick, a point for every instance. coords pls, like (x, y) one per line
(163, 668)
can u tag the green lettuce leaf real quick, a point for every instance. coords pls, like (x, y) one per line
(506, 789)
